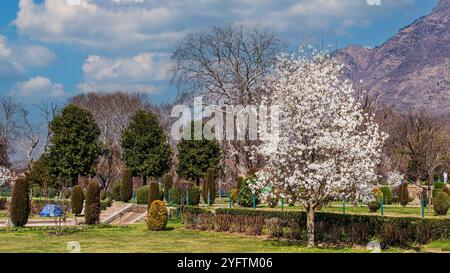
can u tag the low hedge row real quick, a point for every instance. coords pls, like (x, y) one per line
(329, 227)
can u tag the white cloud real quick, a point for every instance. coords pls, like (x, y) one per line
(158, 24)
(37, 87)
(15, 59)
(142, 67)
(87, 87)
(133, 74)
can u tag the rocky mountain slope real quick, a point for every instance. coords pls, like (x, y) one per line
(410, 70)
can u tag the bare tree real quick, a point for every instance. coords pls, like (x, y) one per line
(226, 65)
(112, 113)
(423, 140)
(9, 124)
(48, 111)
(30, 138)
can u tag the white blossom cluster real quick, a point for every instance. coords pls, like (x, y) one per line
(5, 176)
(394, 179)
(326, 145)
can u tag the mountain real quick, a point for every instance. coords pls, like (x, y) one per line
(410, 70)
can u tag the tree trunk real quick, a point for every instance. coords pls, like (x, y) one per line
(310, 225)
(144, 180)
(74, 220)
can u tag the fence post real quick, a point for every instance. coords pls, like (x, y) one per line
(187, 198)
(134, 197)
(282, 203)
(209, 201)
(381, 206)
(229, 200)
(253, 201)
(343, 203)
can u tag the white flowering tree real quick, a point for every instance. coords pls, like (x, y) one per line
(326, 145)
(394, 179)
(5, 176)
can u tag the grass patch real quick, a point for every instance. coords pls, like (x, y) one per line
(137, 239)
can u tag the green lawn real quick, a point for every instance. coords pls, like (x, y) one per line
(136, 238)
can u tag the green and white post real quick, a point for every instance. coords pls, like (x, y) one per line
(381, 206)
(253, 201)
(343, 203)
(187, 198)
(229, 200)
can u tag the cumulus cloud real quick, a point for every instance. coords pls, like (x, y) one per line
(15, 59)
(156, 24)
(37, 87)
(134, 74)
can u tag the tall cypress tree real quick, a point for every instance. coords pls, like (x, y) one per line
(145, 147)
(75, 146)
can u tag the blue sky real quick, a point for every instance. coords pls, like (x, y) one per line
(54, 49)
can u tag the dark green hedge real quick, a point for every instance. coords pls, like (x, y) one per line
(339, 228)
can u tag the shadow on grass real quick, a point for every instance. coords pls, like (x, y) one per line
(303, 244)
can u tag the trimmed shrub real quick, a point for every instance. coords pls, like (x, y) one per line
(3, 203)
(388, 196)
(245, 196)
(103, 195)
(36, 191)
(439, 185)
(115, 194)
(153, 193)
(374, 206)
(441, 203)
(92, 208)
(20, 203)
(168, 184)
(211, 182)
(354, 229)
(157, 216)
(142, 195)
(403, 194)
(194, 196)
(77, 200)
(106, 203)
(126, 191)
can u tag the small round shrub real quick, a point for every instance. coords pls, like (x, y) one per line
(106, 203)
(388, 196)
(439, 185)
(157, 216)
(374, 206)
(441, 203)
(103, 195)
(126, 192)
(142, 195)
(115, 194)
(20, 203)
(77, 200)
(153, 193)
(92, 208)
